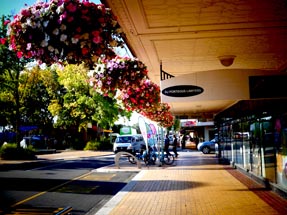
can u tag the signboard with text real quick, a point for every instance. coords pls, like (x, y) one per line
(182, 91)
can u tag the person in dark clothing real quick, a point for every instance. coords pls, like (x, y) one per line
(174, 146)
(166, 145)
(183, 140)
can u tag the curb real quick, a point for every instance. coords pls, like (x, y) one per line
(109, 206)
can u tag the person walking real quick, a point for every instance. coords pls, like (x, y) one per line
(174, 146)
(166, 145)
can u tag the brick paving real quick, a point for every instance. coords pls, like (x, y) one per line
(197, 184)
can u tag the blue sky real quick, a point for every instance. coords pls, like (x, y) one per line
(8, 7)
(12, 7)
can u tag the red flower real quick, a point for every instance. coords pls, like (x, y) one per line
(85, 51)
(3, 41)
(71, 7)
(19, 54)
(97, 39)
(133, 100)
(6, 22)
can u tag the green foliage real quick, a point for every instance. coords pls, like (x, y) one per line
(103, 144)
(175, 126)
(34, 98)
(10, 151)
(93, 145)
(80, 103)
(11, 67)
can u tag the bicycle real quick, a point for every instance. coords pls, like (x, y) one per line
(164, 158)
(153, 155)
(143, 155)
(136, 155)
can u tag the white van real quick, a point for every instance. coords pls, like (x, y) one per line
(128, 143)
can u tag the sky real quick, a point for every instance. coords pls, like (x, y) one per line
(12, 7)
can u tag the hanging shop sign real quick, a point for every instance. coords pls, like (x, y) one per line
(189, 123)
(182, 91)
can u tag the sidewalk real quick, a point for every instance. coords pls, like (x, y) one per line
(197, 184)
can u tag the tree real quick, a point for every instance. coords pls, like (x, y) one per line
(35, 98)
(10, 67)
(81, 104)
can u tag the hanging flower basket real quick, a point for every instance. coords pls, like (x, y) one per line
(161, 114)
(142, 97)
(118, 74)
(65, 30)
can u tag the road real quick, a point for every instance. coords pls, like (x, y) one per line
(55, 184)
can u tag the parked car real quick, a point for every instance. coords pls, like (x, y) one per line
(129, 143)
(207, 146)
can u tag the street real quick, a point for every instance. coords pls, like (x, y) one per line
(51, 185)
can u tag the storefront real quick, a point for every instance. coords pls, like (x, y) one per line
(253, 137)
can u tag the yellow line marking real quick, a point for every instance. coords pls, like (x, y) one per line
(53, 188)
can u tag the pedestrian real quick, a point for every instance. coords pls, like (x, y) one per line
(174, 146)
(166, 145)
(183, 142)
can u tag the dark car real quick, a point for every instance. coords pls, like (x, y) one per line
(207, 146)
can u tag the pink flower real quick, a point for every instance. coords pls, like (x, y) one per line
(133, 100)
(85, 11)
(25, 12)
(70, 19)
(19, 54)
(97, 39)
(71, 7)
(3, 41)
(6, 22)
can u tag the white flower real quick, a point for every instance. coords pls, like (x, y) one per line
(44, 43)
(51, 48)
(91, 73)
(60, 9)
(29, 22)
(47, 37)
(39, 25)
(56, 31)
(24, 27)
(45, 23)
(63, 37)
(75, 40)
(44, 10)
(63, 27)
(100, 68)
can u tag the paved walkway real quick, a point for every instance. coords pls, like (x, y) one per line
(197, 184)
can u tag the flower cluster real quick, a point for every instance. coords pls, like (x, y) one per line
(161, 114)
(128, 78)
(118, 73)
(142, 97)
(3, 31)
(65, 30)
